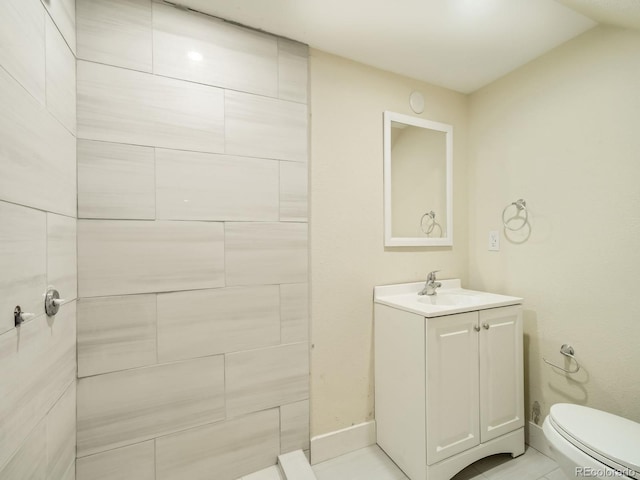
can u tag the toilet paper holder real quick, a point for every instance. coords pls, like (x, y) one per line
(568, 351)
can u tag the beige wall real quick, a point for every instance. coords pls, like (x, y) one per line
(562, 133)
(348, 257)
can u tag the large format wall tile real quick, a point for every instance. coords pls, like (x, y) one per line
(70, 474)
(30, 461)
(292, 70)
(192, 333)
(293, 192)
(124, 106)
(123, 408)
(37, 239)
(116, 333)
(124, 257)
(188, 116)
(23, 261)
(22, 51)
(115, 32)
(115, 181)
(135, 462)
(61, 435)
(38, 155)
(224, 451)
(294, 426)
(61, 78)
(115, 105)
(268, 377)
(294, 311)
(63, 13)
(206, 322)
(204, 186)
(196, 47)
(265, 253)
(265, 127)
(62, 269)
(38, 364)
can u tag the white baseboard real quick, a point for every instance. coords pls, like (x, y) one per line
(333, 444)
(534, 437)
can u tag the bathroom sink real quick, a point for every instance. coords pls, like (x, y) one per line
(451, 298)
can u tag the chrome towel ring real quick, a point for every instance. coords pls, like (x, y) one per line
(431, 225)
(521, 205)
(568, 351)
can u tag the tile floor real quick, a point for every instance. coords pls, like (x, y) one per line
(371, 463)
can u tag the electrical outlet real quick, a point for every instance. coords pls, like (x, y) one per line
(494, 241)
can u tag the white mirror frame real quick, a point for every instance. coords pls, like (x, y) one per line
(389, 240)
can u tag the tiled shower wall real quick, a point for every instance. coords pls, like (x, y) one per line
(192, 244)
(37, 238)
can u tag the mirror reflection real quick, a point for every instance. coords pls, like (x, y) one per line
(417, 181)
(418, 172)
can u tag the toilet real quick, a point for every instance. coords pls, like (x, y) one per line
(590, 443)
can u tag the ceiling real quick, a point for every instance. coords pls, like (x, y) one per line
(458, 44)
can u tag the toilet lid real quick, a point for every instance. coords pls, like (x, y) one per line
(607, 437)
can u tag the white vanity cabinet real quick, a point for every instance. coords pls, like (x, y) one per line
(448, 388)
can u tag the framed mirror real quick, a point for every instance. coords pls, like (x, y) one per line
(418, 182)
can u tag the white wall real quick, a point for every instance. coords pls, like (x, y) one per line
(562, 133)
(37, 238)
(348, 257)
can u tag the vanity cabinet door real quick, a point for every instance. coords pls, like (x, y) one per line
(452, 385)
(501, 372)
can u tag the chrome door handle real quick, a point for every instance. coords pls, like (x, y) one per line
(476, 328)
(485, 326)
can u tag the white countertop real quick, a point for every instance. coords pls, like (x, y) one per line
(450, 298)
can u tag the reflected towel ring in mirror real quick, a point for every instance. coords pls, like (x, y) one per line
(520, 205)
(431, 225)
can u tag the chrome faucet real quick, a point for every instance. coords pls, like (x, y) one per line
(431, 284)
